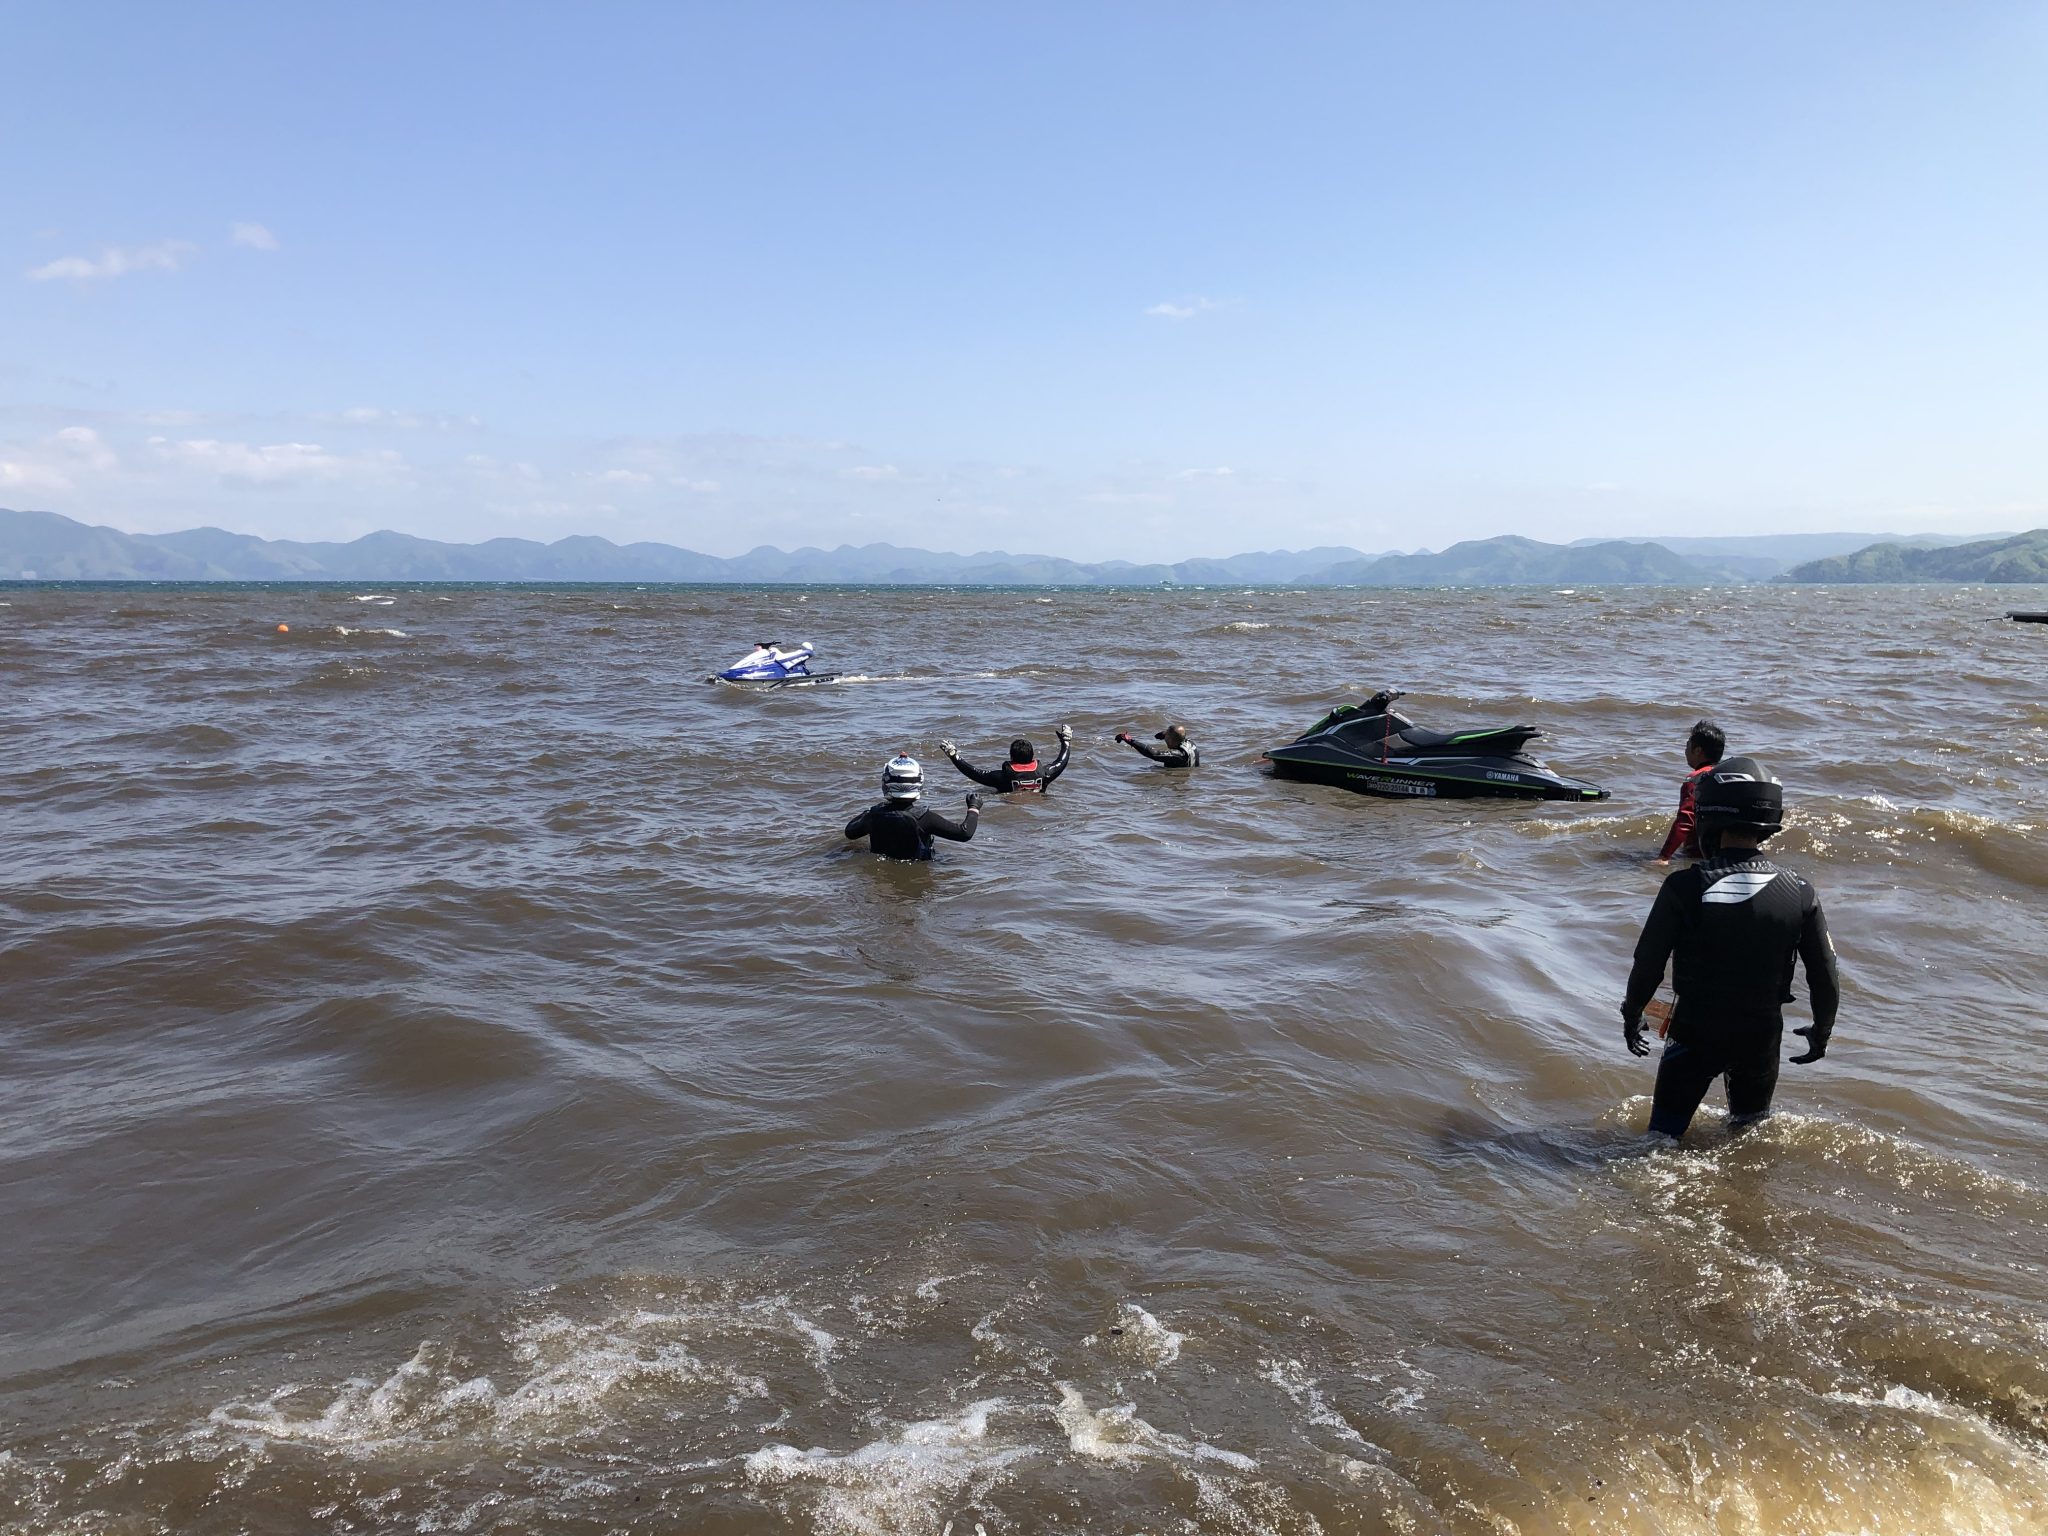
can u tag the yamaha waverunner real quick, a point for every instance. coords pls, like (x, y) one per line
(768, 666)
(1371, 748)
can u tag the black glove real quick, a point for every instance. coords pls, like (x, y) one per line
(1816, 1044)
(1632, 1032)
(974, 799)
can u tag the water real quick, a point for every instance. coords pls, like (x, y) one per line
(456, 1077)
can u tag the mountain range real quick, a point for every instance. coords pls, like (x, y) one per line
(2021, 557)
(48, 546)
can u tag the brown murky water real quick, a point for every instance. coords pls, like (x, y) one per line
(456, 1078)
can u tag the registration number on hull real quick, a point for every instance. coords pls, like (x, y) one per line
(1385, 786)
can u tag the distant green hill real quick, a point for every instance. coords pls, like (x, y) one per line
(2021, 558)
(1512, 560)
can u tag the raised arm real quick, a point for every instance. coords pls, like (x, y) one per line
(1157, 754)
(980, 776)
(960, 831)
(1059, 764)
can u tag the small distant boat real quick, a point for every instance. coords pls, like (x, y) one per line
(2023, 617)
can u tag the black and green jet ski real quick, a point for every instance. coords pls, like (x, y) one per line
(1372, 748)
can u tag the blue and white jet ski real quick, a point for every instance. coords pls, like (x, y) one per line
(769, 666)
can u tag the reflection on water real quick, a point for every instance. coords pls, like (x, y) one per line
(457, 1077)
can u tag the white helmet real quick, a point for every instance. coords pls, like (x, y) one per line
(903, 779)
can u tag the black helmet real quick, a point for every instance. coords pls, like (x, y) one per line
(1740, 793)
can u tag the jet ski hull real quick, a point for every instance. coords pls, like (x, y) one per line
(1375, 751)
(1429, 778)
(794, 680)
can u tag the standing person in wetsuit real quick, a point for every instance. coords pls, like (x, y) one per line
(1022, 774)
(1732, 926)
(1178, 752)
(900, 828)
(1703, 749)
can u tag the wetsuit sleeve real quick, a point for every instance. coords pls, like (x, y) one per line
(992, 780)
(1059, 764)
(953, 831)
(1157, 754)
(858, 827)
(1659, 937)
(1682, 823)
(1817, 950)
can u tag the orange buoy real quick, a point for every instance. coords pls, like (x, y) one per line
(284, 629)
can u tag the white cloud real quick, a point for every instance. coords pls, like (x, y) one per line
(255, 236)
(116, 261)
(1181, 309)
(624, 477)
(271, 463)
(1129, 498)
(84, 446)
(409, 421)
(701, 487)
(1220, 472)
(32, 477)
(873, 472)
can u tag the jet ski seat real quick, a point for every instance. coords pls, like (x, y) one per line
(1500, 738)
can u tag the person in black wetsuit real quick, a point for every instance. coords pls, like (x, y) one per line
(1178, 752)
(1022, 774)
(1732, 926)
(900, 828)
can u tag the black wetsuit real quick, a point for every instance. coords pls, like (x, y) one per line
(1732, 927)
(1186, 755)
(903, 829)
(1018, 778)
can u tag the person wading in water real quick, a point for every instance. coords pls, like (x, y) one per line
(900, 828)
(1703, 749)
(1732, 927)
(1178, 752)
(1022, 774)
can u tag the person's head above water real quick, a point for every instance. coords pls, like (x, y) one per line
(1021, 751)
(1706, 744)
(903, 778)
(1742, 798)
(1173, 736)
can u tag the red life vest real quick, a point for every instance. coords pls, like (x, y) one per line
(1024, 776)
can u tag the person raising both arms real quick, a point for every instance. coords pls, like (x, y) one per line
(1703, 749)
(1023, 774)
(1178, 752)
(900, 828)
(1732, 927)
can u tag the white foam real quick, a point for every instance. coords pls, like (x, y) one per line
(898, 1484)
(565, 1374)
(378, 598)
(929, 1291)
(1244, 626)
(1138, 1332)
(1119, 1436)
(396, 634)
(1292, 1377)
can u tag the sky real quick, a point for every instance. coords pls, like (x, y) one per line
(1140, 281)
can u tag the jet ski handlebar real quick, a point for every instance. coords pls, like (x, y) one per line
(1379, 702)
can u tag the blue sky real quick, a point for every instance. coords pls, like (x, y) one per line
(1136, 280)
